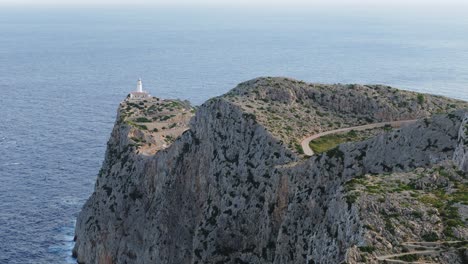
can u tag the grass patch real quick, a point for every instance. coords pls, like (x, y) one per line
(444, 203)
(404, 187)
(461, 195)
(374, 189)
(434, 201)
(328, 142)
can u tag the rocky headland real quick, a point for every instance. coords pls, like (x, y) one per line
(229, 183)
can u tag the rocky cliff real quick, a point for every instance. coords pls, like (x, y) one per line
(230, 186)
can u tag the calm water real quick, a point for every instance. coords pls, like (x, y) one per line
(63, 73)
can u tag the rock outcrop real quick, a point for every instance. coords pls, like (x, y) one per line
(228, 189)
(461, 153)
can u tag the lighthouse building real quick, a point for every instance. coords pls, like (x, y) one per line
(139, 93)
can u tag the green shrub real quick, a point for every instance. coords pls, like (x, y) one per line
(430, 237)
(142, 120)
(367, 249)
(299, 148)
(142, 127)
(421, 99)
(409, 258)
(351, 198)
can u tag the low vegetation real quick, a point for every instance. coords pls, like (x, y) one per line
(156, 123)
(328, 142)
(424, 205)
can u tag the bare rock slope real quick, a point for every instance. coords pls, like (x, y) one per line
(230, 187)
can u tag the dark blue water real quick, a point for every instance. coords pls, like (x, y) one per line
(63, 73)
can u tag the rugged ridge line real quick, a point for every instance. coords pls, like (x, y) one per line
(292, 110)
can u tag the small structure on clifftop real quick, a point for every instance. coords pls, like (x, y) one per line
(139, 93)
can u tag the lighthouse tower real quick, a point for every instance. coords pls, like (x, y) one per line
(139, 86)
(139, 93)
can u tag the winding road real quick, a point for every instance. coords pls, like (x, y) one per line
(426, 248)
(395, 124)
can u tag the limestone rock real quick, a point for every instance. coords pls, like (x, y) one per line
(228, 189)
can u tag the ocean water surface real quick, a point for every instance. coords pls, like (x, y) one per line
(63, 73)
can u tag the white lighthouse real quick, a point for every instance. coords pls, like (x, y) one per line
(139, 93)
(139, 86)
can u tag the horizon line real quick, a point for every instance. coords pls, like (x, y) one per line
(272, 5)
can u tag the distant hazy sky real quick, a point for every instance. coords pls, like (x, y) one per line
(240, 3)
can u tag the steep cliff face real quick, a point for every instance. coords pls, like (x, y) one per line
(228, 190)
(461, 153)
(209, 187)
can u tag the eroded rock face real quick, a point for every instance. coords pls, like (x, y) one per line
(227, 191)
(211, 180)
(321, 223)
(461, 153)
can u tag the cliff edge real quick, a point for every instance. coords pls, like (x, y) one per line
(229, 185)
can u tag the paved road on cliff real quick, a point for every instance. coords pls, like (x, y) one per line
(309, 152)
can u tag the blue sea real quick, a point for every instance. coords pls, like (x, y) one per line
(63, 73)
